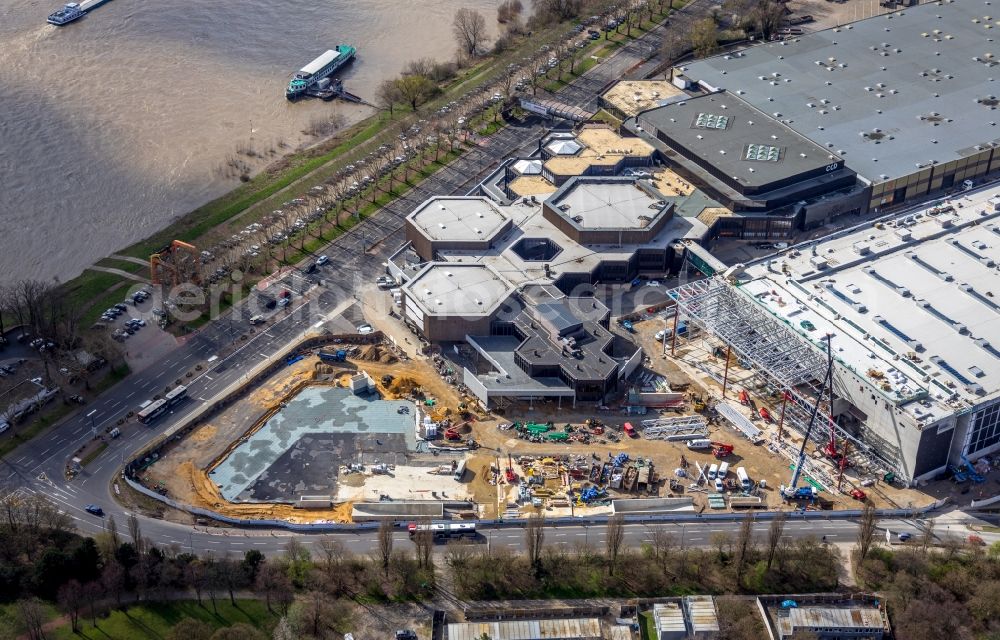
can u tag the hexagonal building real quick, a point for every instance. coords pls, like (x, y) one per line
(463, 223)
(609, 210)
(450, 300)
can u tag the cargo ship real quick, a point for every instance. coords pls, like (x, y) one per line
(73, 11)
(321, 67)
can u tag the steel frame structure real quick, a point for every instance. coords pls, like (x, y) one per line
(780, 358)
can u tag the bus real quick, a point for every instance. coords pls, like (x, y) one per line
(175, 395)
(152, 411)
(442, 530)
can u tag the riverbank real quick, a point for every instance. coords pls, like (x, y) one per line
(296, 172)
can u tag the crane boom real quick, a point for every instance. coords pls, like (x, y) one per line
(790, 490)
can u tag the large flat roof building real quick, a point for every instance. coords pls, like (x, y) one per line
(911, 307)
(446, 301)
(906, 99)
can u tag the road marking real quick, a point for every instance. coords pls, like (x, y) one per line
(130, 395)
(21, 459)
(263, 355)
(46, 451)
(208, 377)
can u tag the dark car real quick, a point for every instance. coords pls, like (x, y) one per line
(94, 509)
(311, 268)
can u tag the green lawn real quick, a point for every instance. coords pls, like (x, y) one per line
(154, 620)
(10, 621)
(647, 627)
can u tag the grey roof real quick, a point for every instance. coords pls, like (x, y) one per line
(314, 410)
(527, 629)
(608, 203)
(458, 218)
(558, 315)
(884, 77)
(458, 289)
(740, 141)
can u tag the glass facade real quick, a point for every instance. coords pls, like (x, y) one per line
(985, 428)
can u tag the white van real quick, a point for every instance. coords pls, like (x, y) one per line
(701, 443)
(741, 473)
(723, 469)
(256, 319)
(713, 471)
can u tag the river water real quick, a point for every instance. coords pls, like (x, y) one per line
(116, 124)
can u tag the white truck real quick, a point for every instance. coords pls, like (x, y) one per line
(744, 479)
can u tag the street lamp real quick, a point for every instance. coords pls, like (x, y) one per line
(93, 424)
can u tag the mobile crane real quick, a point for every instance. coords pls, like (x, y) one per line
(808, 492)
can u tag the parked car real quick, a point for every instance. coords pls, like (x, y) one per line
(322, 260)
(284, 302)
(365, 329)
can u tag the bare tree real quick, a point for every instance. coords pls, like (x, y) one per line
(194, 576)
(92, 594)
(272, 582)
(766, 17)
(135, 532)
(866, 531)
(928, 538)
(387, 95)
(662, 544)
(774, 535)
(509, 10)
(705, 38)
(469, 27)
(534, 540)
(113, 580)
(383, 546)
(424, 541)
(614, 540)
(70, 600)
(32, 616)
(744, 547)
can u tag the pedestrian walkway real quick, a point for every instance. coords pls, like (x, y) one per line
(138, 261)
(119, 272)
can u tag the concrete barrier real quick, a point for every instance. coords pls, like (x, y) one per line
(376, 511)
(651, 506)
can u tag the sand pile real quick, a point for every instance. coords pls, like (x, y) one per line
(377, 353)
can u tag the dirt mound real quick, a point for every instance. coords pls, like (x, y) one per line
(403, 386)
(377, 353)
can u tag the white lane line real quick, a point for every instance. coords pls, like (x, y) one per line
(130, 395)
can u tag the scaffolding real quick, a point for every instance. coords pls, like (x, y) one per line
(679, 428)
(780, 361)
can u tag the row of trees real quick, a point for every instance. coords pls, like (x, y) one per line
(665, 565)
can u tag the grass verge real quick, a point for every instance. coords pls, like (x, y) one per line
(90, 457)
(154, 620)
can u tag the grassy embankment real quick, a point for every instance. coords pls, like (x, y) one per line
(154, 620)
